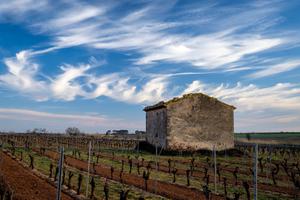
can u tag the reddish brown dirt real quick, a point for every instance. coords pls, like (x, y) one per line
(172, 191)
(24, 184)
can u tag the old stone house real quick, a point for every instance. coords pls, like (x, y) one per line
(194, 121)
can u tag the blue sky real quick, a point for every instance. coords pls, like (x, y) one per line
(95, 65)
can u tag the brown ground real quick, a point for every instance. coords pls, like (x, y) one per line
(25, 185)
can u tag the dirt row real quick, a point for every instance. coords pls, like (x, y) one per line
(24, 184)
(172, 191)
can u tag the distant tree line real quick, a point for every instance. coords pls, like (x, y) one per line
(73, 131)
(123, 132)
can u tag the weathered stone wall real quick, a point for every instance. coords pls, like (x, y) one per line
(199, 122)
(156, 126)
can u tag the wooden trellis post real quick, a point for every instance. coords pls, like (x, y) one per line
(61, 161)
(215, 166)
(88, 172)
(255, 170)
(156, 167)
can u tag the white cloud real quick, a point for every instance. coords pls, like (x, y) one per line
(194, 87)
(77, 81)
(22, 76)
(276, 69)
(285, 96)
(17, 9)
(210, 51)
(119, 88)
(64, 85)
(74, 15)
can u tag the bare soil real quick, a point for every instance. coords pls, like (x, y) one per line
(24, 184)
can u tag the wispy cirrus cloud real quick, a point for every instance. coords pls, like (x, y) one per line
(276, 68)
(216, 50)
(59, 122)
(119, 88)
(64, 86)
(37, 115)
(154, 31)
(23, 75)
(156, 41)
(284, 96)
(16, 10)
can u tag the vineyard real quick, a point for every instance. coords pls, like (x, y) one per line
(103, 168)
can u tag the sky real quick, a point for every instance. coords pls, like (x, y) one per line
(96, 64)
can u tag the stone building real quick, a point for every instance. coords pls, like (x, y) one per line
(194, 121)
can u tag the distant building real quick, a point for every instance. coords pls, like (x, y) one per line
(137, 132)
(119, 132)
(194, 121)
